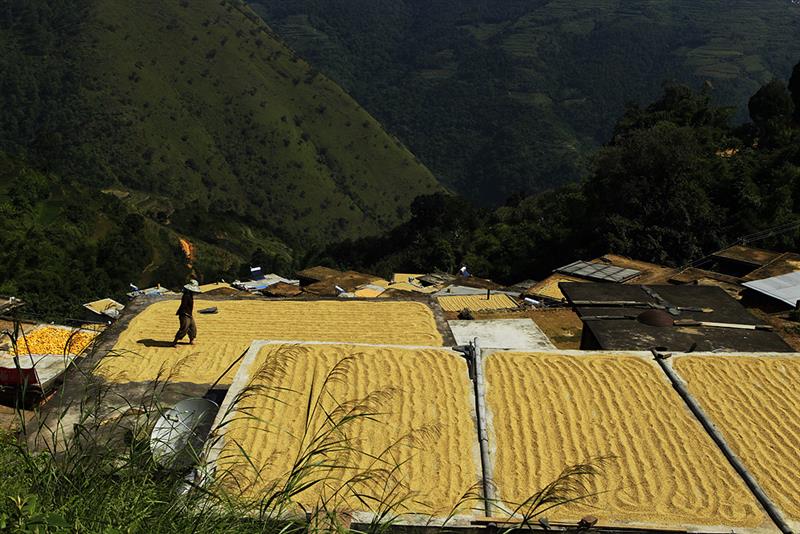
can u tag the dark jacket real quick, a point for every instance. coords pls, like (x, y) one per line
(187, 304)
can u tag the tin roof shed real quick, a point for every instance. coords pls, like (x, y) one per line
(785, 288)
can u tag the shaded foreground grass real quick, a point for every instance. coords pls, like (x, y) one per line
(101, 476)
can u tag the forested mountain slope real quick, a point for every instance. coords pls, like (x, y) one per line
(192, 117)
(207, 109)
(503, 96)
(675, 183)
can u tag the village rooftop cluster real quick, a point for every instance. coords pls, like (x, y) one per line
(681, 382)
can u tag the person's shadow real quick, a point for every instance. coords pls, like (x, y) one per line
(155, 343)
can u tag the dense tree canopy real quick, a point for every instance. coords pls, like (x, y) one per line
(794, 88)
(506, 96)
(676, 182)
(771, 110)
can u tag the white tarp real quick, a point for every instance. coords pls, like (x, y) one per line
(785, 287)
(517, 334)
(263, 283)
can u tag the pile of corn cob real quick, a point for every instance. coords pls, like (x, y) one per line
(52, 340)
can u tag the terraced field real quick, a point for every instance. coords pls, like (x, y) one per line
(755, 402)
(140, 352)
(420, 447)
(477, 303)
(550, 411)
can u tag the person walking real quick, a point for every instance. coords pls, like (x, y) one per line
(185, 313)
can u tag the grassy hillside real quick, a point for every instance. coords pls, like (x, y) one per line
(192, 117)
(64, 244)
(206, 110)
(511, 95)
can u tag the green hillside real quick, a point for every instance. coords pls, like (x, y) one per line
(512, 95)
(211, 112)
(195, 118)
(678, 182)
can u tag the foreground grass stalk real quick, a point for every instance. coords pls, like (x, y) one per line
(99, 475)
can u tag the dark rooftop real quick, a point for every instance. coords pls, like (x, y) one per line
(316, 274)
(650, 273)
(443, 279)
(785, 263)
(282, 289)
(610, 313)
(750, 255)
(348, 281)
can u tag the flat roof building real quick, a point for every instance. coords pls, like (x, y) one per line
(671, 318)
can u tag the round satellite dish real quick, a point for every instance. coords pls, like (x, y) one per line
(179, 434)
(658, 318)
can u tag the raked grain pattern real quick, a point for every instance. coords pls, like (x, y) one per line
(476, 302)
(551, 411)
(424, 423)
(755, 403)
(223, 336)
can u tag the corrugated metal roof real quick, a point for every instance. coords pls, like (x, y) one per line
(651, 273)
(598, 271)
(263, 283)
(785, 287)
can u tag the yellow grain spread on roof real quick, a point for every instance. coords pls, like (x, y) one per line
(53, 340)
(549, 286)
(424, 425)
(211, 287)
(140, 353)
(755, 403)
(408, 286)
(102, 305)
(405, 286)
(405, 277)
(550, 411)
(477, 302)
(369, 292)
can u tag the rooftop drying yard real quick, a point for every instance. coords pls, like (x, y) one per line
(755, 402)
(143, 350)
(551, 410)
(477, 431)
(477, 302)
(413, 433)
(412, 426)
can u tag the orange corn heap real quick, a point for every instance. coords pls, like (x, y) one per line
(51, 340)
